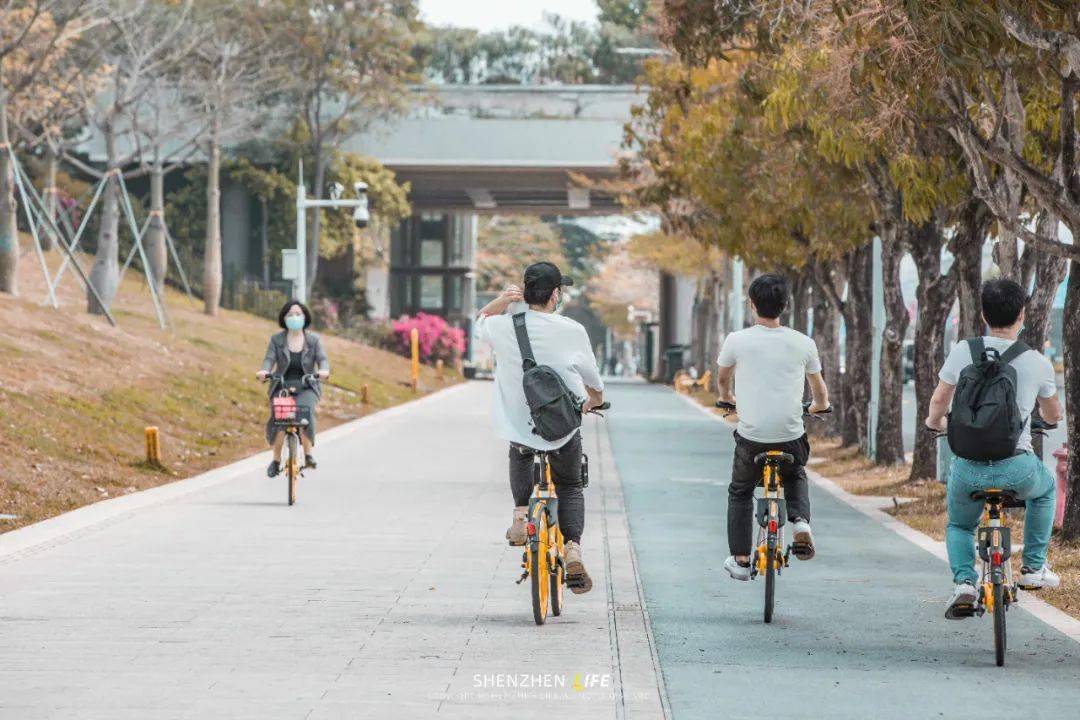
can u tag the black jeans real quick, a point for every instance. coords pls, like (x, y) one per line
(745, 476)
(566, 474)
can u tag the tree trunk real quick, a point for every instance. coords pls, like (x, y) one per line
(264, 239)
(9, 229)
(935, 294)
(51, 197)
(212, 253)
(700, 336)
(105, 273)
(974, 222)
(316, 222)
(1070, 342)
(154, 240)
(1049, 271)
(889, 440)
(858, 316)
(712, 350)
(800, 300)
(826, 337)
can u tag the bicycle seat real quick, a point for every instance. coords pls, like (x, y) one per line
(994, 495)
(773, 457)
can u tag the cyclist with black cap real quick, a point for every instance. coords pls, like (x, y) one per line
(563, 345)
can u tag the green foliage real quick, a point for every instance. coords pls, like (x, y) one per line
(509, 244)
(563, 50)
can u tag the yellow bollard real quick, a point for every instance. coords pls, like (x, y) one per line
(363, 394)
(414, 342)
(153, 446)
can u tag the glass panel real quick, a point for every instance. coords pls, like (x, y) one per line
(431, 253)
(432, 226)
(455, 292)
(431, 292)
(399, 243)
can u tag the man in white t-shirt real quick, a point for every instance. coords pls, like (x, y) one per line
(1003, 310)
(563, 345)
(770, 364)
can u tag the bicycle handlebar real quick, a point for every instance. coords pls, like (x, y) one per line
(806, 410)
(596, 410)
(721, 404)
(278, 379)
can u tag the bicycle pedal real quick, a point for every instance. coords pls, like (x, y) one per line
(965, 611)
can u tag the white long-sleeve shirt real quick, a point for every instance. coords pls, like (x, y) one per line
(558, 342)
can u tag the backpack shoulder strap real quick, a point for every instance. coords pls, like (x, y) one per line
(527, 359)
(977, 346)
(1015, 350)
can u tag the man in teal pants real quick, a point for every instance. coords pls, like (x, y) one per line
(1003, 310)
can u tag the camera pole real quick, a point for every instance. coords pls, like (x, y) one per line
(301, 237)
(360, 217)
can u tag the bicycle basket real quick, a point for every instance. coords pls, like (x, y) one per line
(285, 411)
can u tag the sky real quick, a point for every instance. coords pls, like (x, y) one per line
(492, 14)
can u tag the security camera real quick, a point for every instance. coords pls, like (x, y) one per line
(361, 215)
(336, 189)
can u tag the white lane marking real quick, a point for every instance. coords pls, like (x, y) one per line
(719, 482)
(1057, 619)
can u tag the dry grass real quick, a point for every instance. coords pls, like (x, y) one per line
(921, 505)
(75, 393)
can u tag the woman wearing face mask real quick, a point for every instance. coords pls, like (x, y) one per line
(295, 352)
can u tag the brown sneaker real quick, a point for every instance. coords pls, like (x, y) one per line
(516, 534)
(577, 579)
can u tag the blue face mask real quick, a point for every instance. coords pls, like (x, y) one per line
(294, 322)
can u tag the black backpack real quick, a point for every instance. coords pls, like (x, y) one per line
(553, 408)
(985, 422)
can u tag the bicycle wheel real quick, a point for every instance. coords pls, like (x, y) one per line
(293, 468)
(770, 577)
(558, 576)
(999, 623)
(539, 568)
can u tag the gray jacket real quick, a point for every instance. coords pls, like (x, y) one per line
(313, 357)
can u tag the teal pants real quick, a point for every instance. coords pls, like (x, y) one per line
(1023, 474)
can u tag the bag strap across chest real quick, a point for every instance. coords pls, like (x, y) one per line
(528, 360)
(978, 350)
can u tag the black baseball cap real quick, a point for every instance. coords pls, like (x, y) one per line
(545, 276)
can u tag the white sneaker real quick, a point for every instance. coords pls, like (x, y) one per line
(735, 570)
(802, 540)
(1044, 577)
(962, 602)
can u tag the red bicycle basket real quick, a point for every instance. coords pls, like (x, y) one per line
(284, 407)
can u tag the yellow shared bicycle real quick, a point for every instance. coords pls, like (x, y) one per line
(771, 555)
(543, 561)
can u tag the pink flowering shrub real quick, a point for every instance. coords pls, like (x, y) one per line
(436, 339)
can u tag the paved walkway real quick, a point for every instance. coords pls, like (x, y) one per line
(859, 631)
(386, 592)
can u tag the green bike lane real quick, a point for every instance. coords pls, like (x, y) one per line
(859, 632)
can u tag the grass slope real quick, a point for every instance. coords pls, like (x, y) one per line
(76, 394)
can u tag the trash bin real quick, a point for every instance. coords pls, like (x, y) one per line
(674, 360)
(1062, 469)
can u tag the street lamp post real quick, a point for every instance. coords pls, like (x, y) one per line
(360, 217)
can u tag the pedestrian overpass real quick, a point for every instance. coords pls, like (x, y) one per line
(473, 150)
(506, 148)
